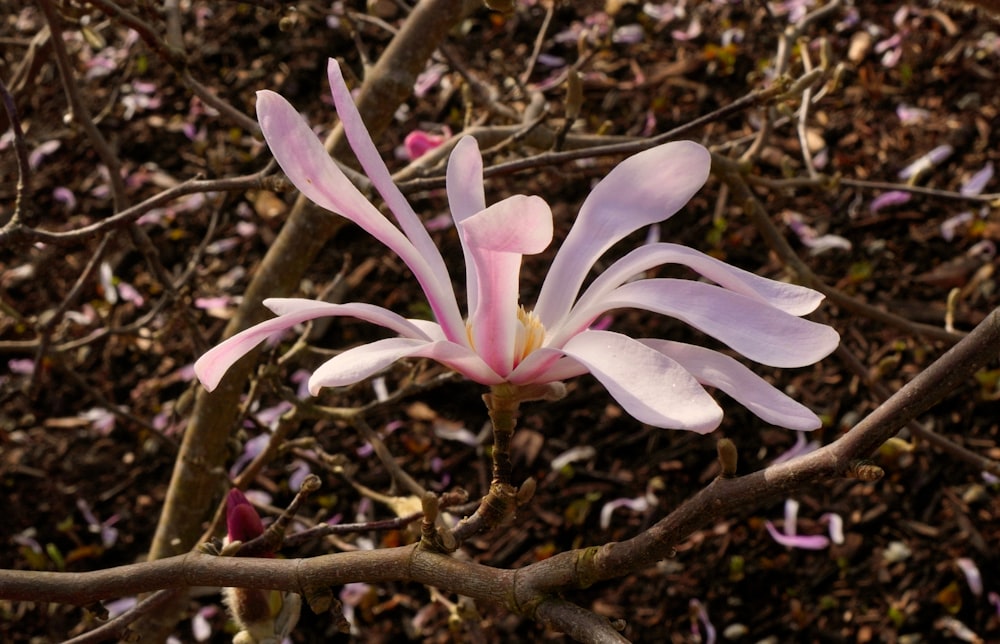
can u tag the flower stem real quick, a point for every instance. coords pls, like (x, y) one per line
(500, 502)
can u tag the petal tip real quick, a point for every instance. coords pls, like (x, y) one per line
(207, 376)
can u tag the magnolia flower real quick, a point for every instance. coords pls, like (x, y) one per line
(658, 382)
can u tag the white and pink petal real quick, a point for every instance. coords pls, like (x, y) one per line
(358, 363)
(791, 298)
(756, 330)
(466, 197)
(643, 189)
(495, 240)
(743, 385)
(650, 386)
(373, 165)
(212, 366)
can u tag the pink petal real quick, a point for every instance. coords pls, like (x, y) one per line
(285, 306)
(977, 182)
(640, 504)
(791, 517)
(43, 150)
(466, 197)
(518, 224)
(418, 143)
(758, 331)
(367, 154)
(643, 189)
(651, 387)
(495, 239)
(926, 161)
(242, 521)
(836, 527)
(21, 366)
(354, 365)
(909, 115)
(814, 542)
(545, 365)
(306, 163)
(800, 448)
(212, 366)
(972, 574)
(791, 298)
(890, 198)
(743, 385)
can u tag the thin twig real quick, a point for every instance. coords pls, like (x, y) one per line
(919, 429)
(730, 173)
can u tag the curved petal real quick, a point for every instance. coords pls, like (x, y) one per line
(545, 365)
(518, 224)
(790, 298)
(213, 365)
(643, 189)
(354, 365)
(307, 164)
(743, 385)
(466, 197)
(651, 387)
(495, 240)
(289, 306)
(811, 542)
(758, 331)
(373, 165)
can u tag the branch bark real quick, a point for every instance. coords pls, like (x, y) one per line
(530, 590)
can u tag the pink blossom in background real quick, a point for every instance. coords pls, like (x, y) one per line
(790, 538)
(800, 448)
(43, 150)
(419, 142)
(658, 382)
(972, 575)
(811, 239)
(693, 30)
(65, 196)
(926, 162)
(978, 181)
(911, 115)
(100, 419)
(701, 613)
(642, 503)
(109, 534)
(887, 199)
(950, 225)
(628, 34)
(21, 366)
(795, 9)
(429, 79)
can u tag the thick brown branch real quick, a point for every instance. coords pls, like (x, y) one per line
(726, 496)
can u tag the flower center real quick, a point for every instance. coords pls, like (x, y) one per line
(530, 334)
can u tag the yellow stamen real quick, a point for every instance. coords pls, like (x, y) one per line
(529, 335)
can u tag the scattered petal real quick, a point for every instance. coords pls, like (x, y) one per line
(890, 198)
(972, 575)
(814, 542)
(572, 455)
(977, 182)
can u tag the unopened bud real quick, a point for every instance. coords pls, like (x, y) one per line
(727, 457)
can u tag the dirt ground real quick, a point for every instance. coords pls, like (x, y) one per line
(95, 385)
